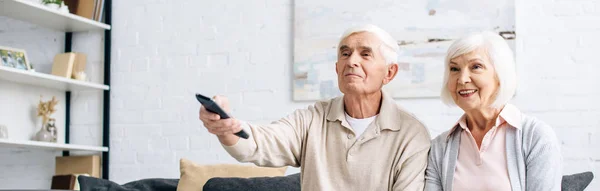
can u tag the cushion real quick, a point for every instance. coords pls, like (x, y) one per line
(288, 183)
(88, 183)
(194, 176)
(576, 182)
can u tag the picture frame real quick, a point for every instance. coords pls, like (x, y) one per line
(423, 40)
(14, 58)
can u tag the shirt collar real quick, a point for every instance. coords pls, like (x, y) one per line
(385, 119)
(509, 114)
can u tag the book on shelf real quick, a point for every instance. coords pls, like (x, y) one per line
(91, 9)
(64, 182)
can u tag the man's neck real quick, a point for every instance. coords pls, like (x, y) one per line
(362, 105)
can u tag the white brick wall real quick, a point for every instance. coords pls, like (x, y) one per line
(163, 53)
(558, 47)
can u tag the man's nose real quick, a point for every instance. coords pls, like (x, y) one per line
(354, 60)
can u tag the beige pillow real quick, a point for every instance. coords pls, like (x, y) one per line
(194, 176)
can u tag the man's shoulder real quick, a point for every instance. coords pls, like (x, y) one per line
(408, 118)
(407, 126)
(325, 104)
(319, 108)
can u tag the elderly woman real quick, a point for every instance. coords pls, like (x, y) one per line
(493, 146)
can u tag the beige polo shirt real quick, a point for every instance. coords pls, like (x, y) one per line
(390, 155)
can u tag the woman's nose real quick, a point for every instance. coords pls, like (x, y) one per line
(464, 78)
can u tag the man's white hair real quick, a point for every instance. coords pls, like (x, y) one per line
(501, 57)
(391, 48)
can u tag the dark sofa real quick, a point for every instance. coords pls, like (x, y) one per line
(574, 182)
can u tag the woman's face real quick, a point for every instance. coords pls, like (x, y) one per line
(472, 81)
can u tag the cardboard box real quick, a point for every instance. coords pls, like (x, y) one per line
(79, 64)
(68, 64)
(86, 164)
(63, 64)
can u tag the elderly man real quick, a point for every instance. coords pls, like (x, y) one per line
(359, 141)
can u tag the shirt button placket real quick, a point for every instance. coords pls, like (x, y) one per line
(350, 154)
(350, 136)
(352, 151)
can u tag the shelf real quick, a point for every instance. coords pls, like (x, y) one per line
(41, 15)
(49, 146)
(47, 80)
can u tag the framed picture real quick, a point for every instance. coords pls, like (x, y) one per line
(423, 29)
(14, 58)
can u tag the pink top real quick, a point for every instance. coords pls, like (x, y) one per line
(485, 168)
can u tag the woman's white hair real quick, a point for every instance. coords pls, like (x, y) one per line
(391, 48)
(501, 57)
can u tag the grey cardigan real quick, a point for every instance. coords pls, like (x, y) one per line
(532, 152)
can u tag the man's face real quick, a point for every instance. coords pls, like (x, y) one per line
(361, 68)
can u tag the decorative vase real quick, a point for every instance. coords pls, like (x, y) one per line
(47, 133)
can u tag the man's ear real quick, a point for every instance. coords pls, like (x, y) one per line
(391, 71)
(335, 68)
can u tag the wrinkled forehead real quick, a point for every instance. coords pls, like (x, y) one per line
(360, 39)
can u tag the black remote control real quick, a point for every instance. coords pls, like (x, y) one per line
(211, 106)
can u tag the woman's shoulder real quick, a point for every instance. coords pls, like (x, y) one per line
(537, 131)
(529, 125)
(533, 125)
(440, 141)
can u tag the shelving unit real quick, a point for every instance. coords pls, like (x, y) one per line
(49, 146)
(47, 80)
(41, 15)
